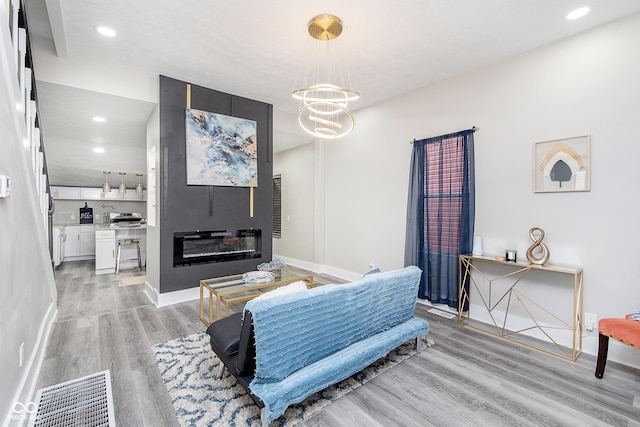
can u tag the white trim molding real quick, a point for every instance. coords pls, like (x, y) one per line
(27, 389)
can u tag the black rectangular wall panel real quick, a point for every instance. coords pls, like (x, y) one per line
(194, 207)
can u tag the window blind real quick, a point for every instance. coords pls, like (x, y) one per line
(277, 206)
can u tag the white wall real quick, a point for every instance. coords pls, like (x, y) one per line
(585, 84)
(152, 286)
(297, 169)
(27, 286)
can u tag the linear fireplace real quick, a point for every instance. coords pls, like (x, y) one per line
(199, 247)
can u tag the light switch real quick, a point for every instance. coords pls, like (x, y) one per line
(5, 186)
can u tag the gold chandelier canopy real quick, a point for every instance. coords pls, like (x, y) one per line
(325, 27)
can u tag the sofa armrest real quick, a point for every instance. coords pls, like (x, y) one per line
(232, 339)
(225, 334)
(246, 361)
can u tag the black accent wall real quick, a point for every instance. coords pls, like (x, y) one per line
(193, 207)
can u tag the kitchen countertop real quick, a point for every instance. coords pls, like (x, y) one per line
(120, 227)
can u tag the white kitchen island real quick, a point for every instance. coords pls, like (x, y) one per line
(107, 238)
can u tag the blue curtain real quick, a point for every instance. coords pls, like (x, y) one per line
(440, 212)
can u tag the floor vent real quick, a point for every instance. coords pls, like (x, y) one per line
(84, 401)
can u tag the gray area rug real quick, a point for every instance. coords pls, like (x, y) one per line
(188, 364)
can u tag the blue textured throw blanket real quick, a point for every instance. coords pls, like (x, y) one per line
(308, 340)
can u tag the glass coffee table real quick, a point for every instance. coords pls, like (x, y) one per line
(232, 289)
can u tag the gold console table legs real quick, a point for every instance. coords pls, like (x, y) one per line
(500, 302)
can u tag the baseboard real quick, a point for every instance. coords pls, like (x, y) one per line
(342, 274)
(346, 275)
(151, 293)
(177, 297)
(306, 265)
(170, 298)
(78, 258)
(27, 389)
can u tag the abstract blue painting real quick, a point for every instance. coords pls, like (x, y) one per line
(221, 150)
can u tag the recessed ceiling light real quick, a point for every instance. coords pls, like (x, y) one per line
(99, 119)
(578, 13)
(99, 150)
(105, 31)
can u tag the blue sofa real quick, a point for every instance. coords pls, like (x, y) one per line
(287, 347)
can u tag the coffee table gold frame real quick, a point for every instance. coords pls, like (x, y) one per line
(232, 289)
(469, 265)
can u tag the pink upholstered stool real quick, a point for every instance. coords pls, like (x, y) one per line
(623, 330)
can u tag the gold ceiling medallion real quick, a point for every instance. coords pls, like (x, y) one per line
(325, 94)
(325, 27)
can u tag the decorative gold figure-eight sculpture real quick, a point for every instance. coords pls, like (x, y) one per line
(537, 246)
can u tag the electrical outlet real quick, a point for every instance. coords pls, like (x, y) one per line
(590, 320)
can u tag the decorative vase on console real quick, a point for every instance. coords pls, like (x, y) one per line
(477, 246)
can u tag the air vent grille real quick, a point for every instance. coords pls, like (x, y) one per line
(84, 401)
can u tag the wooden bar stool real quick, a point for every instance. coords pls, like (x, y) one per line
(128, 242)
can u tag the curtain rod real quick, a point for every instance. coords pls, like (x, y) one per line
(474, 129)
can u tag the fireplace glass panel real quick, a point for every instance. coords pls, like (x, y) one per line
(216, 246)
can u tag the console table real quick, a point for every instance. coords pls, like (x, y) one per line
(499, 303)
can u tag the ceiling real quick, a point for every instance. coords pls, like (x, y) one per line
(254, 49)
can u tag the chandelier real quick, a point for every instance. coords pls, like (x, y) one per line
(326, 92)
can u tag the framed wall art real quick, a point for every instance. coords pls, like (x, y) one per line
(221, 150)
(562, 165)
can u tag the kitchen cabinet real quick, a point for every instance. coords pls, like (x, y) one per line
(66, 193)
(80, 242)
(132, 196)
(88, 193)
(59, 238)
(107, 248)
(91, 194)
(87, 242)
(105, 244)
(72, 245)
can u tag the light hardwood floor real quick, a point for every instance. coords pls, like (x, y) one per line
(465, 379)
